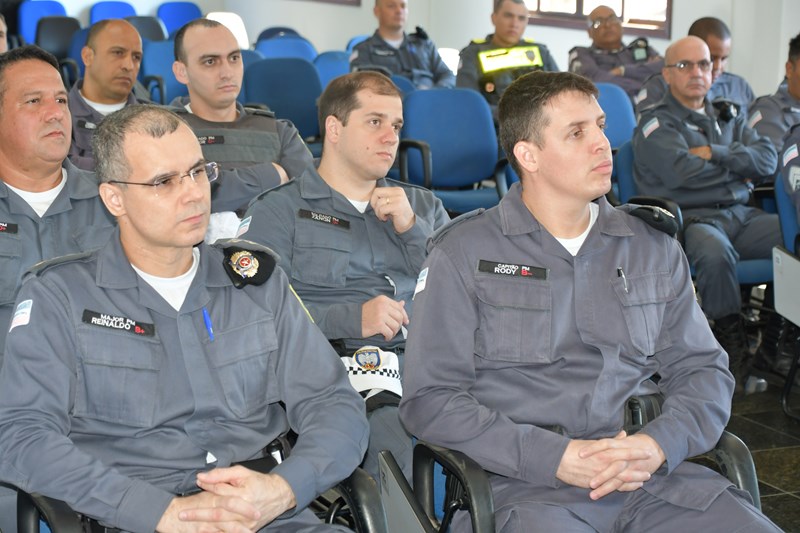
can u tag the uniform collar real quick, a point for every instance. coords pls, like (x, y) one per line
(78, 106)
(683, 112)
(313, 187)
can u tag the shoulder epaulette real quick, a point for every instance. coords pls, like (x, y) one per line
(528, 41)
(440, 233)
(246, 262)
(260, 111)
(38, 268)
(421, 34)
(654, 216)
(478, 41)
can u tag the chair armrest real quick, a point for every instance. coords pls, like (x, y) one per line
(361, 494)
(427, 161)
(473, 479)
(57, 514)
(736, 463)
(158, 81)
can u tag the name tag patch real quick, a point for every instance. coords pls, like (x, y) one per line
(211, 139)
(513, 270)
(104, 320)
(325, 219)
(7, 227)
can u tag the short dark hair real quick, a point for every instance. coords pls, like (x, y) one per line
(522, 112)
(23, 53)
(705, 26)
(180, 35)
(498, 3)
(109, 139)
(794, 48)
(340, 97)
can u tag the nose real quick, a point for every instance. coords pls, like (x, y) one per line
(55, 111)
(601, 142)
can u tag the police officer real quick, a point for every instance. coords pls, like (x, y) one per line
(167, 362)
(775, 114)
(536, 320)
(608, 60)
(413, 56)
(112, 56)
(725, 85)
(490, 65)
(351, 241)
(703, 156)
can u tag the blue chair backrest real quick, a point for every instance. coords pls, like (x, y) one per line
(287, 46)
(404, 84)
(620, 117)
(458, 126)
(290, 86)
(157, 59)
(30, 11)
(276, 31)
(176, 14)
(787, 214)
(623, 164)
(110, 9)
(331, 64)
(76, 45)
(354, 41)
(248, 58)
(150, 28)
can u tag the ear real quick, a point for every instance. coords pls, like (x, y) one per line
(332, 128)
(87, 55)
(112, 198)
(179, 69)
(527, 156)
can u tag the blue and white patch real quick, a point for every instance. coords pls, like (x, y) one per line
(641, 97)
(422, 280)
(755, 118)
(650, 127)
(22, 314)
(794, 179)
(692, 127)
(789, 154)
(244, 226)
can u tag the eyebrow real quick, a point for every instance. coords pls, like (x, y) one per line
(601, 116)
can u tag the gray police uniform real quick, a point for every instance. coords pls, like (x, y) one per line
(774, 114)
(470, 75)
(512, 334)
(720, 227)
(85, 120)
(338, 258)
(728, 86)
(417, 59)
(639, 60)
(789, 165)
(140, 398)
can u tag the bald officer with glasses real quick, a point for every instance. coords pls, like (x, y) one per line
(166, 362)
(704, 157)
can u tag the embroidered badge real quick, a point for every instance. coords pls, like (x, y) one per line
(211, 139)
(244, 225)
(368, 358)
(22, 314)
(755, 118)
(511, 269)
(650, 127)
(422, 280)
(789, 154)
(7, 227)
(325, 219)
(244, 263)
(121, 323)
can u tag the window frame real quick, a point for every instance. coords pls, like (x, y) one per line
(577, 21)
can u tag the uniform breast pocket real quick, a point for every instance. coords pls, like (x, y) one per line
(321, 254)
(643, 305)
(515, 320)
(118, 377)
(10, 266)
(240, 356)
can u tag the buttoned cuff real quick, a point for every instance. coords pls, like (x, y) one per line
(142, 507)
(544, 450)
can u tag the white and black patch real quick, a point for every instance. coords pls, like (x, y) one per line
(121, 323)
(325, 219)
(513, 270)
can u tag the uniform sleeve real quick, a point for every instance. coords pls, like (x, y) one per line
(750, 156)
(237, 186)
(694, 373)
(429, 217)
(443, 77)
(766, 118)
(440, 372)
(468, 72)
(651, 93)
(642, 70)
(295, 156)
(37, 384)
(324, 410)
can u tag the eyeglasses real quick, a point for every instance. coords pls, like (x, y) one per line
(205, 172)
(611, 20)
(683, 66)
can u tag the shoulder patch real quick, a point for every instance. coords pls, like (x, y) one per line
(439, 234)
(755, 118)
(650, 127)
(654, 216)
(789, 154)
(259, 111)
(246, 262)
(22, 314)
(42, 266)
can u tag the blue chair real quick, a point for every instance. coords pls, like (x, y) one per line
(248, 58)
(453, 145)
(331, 64)
(354, 41)
(110, 9)
(290, 87)
(150, 28)
(276, 31)
(30, 11)
(287, 46)
(156, 72)
(787, 214)
(54, 34)
(404, 84)
(620, 117)
(176, 14)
